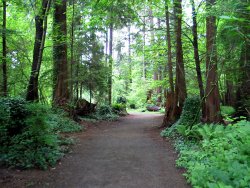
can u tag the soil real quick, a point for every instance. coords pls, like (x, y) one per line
(128, 153)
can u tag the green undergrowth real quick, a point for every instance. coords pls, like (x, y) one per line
(29, 134)
(214, 155)
(104, 112)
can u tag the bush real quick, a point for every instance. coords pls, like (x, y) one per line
(28, 138)
(227, 110)
(219, 157)
(223, 157)
(60, 122)
(105, 112)
(121, 100)
(132, 106)
(190, 116)
(191, 111)
(12, 115)
(118, 107)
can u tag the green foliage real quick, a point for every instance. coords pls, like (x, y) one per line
(105, 112)
(132, 106)
(118, 107)
(121, 100)
(227, 110)
(29, 136)
(191, 111)
(60, 122)
(217, 156)
(187, 125)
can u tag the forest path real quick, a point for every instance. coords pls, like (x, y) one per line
(128, 153)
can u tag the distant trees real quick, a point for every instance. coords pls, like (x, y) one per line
(128, 48)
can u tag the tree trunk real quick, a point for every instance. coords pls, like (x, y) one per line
(180, 86)
(169, 95)
(243, 90)
(144, 67)
(40, 36)
(61, 82)
(159, 69)
(196, 56)
(4, 58)
(72, 62)
(106, 46)
(229, 94)
(212, 103)
(110, 64)
(129, 54)
(150, 91)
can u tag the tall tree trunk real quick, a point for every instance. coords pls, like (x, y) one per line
(61, 81)
(144, 67)
(4, 58)
(106, 46)
(169, 64)
(169, 95)
(196, 56)
(212, 103)
(180, 86)
(229, 94)
(110, 63)
(129, 54)
(243, 89)
(72, 62)
(40, 36)
(150, 91)
(159, 69)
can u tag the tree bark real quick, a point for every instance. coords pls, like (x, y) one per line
(4, 58)
(40, 36)
(129, 54)
(72, 62)
(110, 63)
(180, 86)
(144, 66)
(197, 57)
(61, 81)
(212, 103)
(169, 94)
(243, 89)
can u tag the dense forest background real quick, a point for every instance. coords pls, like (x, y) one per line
(151, 52)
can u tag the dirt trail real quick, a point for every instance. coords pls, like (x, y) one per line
(124, 154)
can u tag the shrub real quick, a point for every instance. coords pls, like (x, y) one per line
(105, 112)
(121, 100)
(60, 122)
(227, 110)
(28, 138)
(132, 106)
(220, 157)
(191, 111)
(190, 116)
(118, 107)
